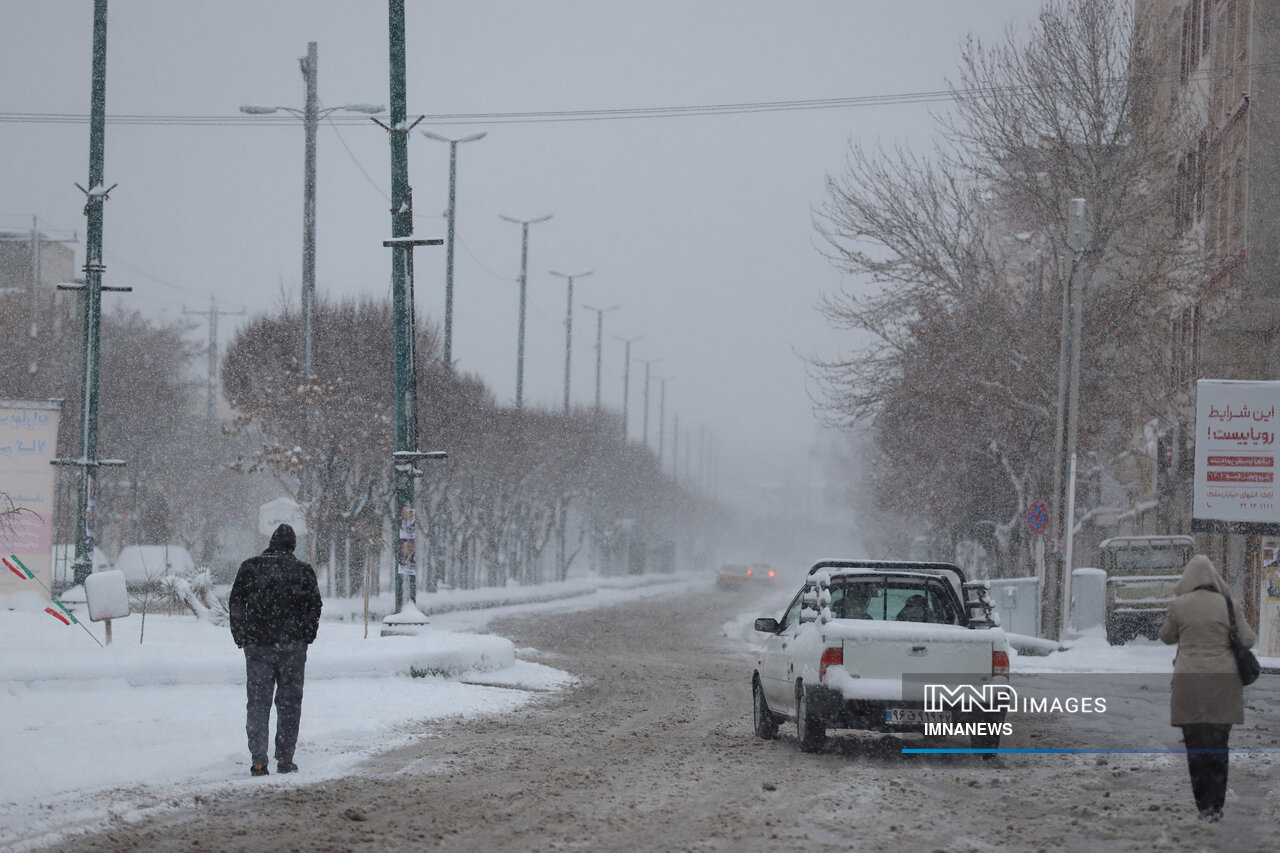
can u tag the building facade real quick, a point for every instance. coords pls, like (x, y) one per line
(1218, 66)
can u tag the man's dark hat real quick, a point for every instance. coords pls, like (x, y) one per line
(284, 539)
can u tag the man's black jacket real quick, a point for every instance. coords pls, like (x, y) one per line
(275, 599)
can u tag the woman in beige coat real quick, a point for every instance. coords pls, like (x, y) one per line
(1207, 697)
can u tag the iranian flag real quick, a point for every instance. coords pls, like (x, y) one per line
(13, 564)
(62, 614)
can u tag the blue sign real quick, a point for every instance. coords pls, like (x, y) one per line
(1038, 517)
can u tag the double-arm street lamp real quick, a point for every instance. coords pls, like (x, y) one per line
(524, 275)
(648, 363)
(310, 115)
(568, 328)
(599, 335)
(448, 256)
(626, 380)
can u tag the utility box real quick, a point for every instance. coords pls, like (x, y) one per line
(1088, 599)
(1017, 600)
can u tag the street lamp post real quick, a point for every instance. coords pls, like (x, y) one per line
(524, 276)
(568, 328)
(648, 363)
(662, 416)
(448, 251)
(626, 380)
(599, 335)
(1078, 241)
(310, 115)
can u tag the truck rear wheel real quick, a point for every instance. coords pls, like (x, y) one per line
(811, 729)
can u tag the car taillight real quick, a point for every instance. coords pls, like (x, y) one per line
(748, 571)
(830, 657)
(771, 573)
(1000, 663)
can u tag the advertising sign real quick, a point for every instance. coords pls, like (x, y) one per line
(28, 443)
(1237, 423)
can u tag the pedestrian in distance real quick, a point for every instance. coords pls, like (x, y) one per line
(1207, 696)
(275, 612)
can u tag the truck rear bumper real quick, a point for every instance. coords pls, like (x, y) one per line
(838, 712)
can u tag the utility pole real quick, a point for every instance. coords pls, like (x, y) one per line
(647, 362)
(212, 314)
(702, 458)
(35, 287)
(448, 245)
(568, 328)
(524, 274)
(662, 416)
(402, 245)
(1078, 241)
(310, 115)
(675, 449)
(95, 198)
(37, 241)
(599, 335)
(310, 120)
(626, 380)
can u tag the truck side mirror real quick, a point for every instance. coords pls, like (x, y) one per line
(979, 610)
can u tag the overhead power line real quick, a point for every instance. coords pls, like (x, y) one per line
(544, 116)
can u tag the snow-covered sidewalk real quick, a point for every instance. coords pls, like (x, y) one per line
(93, 734)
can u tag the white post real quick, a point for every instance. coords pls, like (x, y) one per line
(1064, 630)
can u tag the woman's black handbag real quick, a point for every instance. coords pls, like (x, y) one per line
(1246, 661)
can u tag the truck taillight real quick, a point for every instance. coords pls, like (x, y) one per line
(1000, 663)
(830, 657)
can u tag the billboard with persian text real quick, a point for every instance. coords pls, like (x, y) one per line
(1237, 424)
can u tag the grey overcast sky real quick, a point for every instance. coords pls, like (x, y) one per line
(698, 227)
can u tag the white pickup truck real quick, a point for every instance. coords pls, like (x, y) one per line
(860, 641)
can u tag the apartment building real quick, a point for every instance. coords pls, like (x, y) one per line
(1218, 65)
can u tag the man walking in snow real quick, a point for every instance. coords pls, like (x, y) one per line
(275, 611)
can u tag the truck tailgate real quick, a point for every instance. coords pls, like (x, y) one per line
(892, 649)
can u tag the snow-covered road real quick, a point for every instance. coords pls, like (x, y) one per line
(653, 750)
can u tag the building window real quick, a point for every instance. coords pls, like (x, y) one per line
(1205, 17)
(1185, 355)
(1189, 193)
(1191, 36)
(1239, 186)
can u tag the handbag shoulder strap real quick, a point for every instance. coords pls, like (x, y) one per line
(1231, 611)
(1231, 618)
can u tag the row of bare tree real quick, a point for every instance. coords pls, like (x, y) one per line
(959, 263)
(521, 495)
(516, 481)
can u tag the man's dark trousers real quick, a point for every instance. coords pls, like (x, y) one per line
(277, 670)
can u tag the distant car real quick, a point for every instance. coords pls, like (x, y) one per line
(844, 650)
(736, 576)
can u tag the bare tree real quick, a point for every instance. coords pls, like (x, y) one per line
(962, 258)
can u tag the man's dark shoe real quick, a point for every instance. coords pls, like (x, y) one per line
(258, 770)
(286, 767)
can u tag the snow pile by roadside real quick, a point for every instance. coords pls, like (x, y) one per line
(95, 733)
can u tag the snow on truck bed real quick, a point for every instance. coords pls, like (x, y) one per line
(870, 630)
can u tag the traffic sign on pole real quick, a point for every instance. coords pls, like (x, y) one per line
(1038, 517)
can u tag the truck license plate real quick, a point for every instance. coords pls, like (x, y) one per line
(914, 716)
